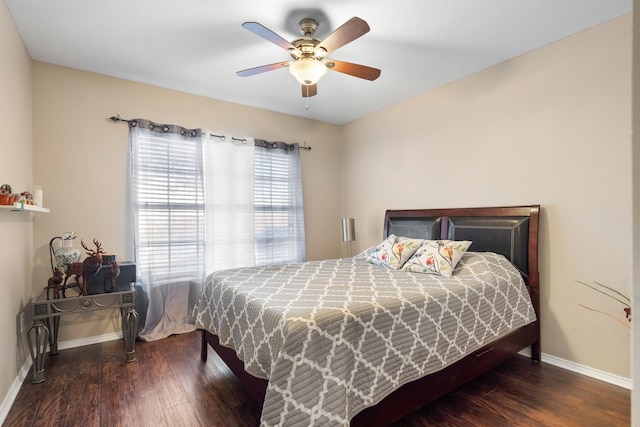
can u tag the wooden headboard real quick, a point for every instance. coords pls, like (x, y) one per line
(511, 231)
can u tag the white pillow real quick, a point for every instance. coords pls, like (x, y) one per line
(437, 257)
(394, 251)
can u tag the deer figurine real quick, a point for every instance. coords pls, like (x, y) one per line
(91, 265)
(73, 269)
(111, 275)
(54, 283)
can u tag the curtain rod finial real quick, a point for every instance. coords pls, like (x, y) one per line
(117, 118)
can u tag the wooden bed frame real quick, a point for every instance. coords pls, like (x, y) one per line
(511, 231)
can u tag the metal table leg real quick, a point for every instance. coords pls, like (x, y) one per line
(37, 337)
(129, 332)
(53, 324)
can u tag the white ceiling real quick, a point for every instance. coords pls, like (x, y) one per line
(196, 46)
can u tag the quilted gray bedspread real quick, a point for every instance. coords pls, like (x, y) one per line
(336, 336)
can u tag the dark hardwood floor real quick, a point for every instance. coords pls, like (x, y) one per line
(169, 386)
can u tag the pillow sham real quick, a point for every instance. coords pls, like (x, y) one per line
(394, 251)
(437, 257)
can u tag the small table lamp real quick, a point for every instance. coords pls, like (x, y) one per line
(348, 231)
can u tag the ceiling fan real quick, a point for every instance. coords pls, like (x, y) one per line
(309, 62)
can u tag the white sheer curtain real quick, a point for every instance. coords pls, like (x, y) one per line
(199, 204)
(228, 168)
(254, 205)
(167, 205)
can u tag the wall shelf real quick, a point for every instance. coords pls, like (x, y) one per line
(21, 207)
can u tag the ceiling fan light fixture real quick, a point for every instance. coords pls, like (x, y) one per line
(307, 70)
(295, 53)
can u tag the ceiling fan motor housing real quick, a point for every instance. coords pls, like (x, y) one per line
(308, 26)
(306, 46)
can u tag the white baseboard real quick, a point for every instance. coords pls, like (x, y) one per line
(581, 369)
(8, 400)
(13, 390)
(81, 342)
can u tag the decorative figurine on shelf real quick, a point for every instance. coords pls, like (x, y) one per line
(111, 275)
(5, 194)
(54, 283)
(91, 265)
(26, 198)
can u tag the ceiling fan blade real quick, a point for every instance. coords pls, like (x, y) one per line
(267, 34)
(309, 90)
(263, 68)
(356, 70)
(348, 32)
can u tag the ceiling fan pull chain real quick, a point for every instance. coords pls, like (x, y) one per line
(307, 107)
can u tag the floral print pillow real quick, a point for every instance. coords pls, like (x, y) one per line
(394, 251)
(437, 257)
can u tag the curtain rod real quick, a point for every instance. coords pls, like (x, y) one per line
(244, 141)
(224, 138)
(118, 119)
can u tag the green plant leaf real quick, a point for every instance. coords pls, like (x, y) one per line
(617, 296)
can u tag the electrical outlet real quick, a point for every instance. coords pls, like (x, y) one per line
(21, 322)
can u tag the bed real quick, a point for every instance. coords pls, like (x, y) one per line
(326, 343)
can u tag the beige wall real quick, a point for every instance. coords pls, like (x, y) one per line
(550, 127)
(16, 229)
(80, 159)
(635, 339)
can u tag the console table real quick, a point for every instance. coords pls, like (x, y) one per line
(46, 315)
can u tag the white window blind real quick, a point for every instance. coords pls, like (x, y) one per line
(278, 206)
(168, 203)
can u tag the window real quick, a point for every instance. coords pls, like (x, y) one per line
(197, 207)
